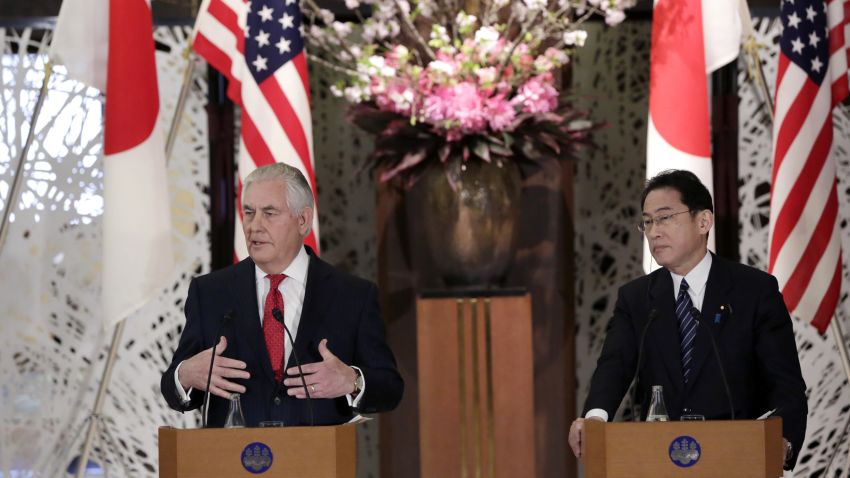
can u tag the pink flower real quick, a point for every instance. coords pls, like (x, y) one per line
(500, 113)
(537, 95)
(436, 105)
(467, 107)
(396, 97)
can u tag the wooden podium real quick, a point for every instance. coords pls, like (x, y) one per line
(317, 452)
(476, 386)
(728, 449)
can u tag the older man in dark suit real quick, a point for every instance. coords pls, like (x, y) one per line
(333, 317)
(738, 305)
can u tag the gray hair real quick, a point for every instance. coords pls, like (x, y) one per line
(299, 196)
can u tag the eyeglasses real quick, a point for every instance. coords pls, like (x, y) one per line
(660, 221)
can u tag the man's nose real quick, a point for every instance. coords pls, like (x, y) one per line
(255, 223)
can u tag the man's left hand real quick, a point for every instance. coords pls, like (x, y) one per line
(330, 378)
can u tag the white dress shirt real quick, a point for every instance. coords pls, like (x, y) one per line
(697, 279)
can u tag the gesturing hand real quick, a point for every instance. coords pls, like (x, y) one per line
(330, 378)
(193, 372)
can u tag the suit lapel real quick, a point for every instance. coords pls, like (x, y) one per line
(312, 311)
(716, 293)
(666, 333)
(251, 332)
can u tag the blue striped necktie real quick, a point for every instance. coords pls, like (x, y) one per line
(687, 327)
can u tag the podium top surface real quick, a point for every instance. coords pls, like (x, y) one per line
(469, 292)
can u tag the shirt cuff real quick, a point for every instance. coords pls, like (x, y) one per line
(354, 401)
(597, 413)
(183, 394)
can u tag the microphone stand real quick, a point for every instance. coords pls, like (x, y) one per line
(652, 315)
(698, 316)
(279, 317)
(227, 317)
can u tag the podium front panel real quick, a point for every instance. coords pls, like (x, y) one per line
(727, 449)
(318, 452)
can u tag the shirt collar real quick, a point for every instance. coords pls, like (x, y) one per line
(296, 270)
(697, 277)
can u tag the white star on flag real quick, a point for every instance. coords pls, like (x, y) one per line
(814, 39)
(810, 13)
(266, 13)
(797, 45)
(287, 21)
(262, 38)
(283, 45)
(793, 20)
(816, 64)
(259, 63)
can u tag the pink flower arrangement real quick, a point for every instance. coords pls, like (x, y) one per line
(480, 85)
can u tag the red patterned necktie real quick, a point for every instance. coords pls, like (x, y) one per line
(272, 329)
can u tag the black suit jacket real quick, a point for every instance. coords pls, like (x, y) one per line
(337, 306)
(744, 310)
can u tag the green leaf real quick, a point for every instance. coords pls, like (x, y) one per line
(482, 150)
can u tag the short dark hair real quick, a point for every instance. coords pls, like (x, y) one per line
(694, 193)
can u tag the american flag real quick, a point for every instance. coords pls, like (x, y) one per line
(258, 46)
(805, 252)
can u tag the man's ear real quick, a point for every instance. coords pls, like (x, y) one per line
(705, 221)
(305, 221)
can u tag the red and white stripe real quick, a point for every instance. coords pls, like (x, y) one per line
(805, 249)
(276, 120)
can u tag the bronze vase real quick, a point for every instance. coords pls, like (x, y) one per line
(469, 212)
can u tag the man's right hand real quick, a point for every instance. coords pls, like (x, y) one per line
(193, 372)
(577, 434)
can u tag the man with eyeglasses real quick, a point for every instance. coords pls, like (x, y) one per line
(739, 305)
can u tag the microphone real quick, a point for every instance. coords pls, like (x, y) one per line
(224, 320)
(278, 316)
(698, 316)
(652, 315)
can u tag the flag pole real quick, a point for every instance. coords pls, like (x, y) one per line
(15, 191)
(94, 418)
(755, 71)
(188, 72)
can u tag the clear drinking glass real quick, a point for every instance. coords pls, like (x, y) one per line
(657, 409)
(235, 419)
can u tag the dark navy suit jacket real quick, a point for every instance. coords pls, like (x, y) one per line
(337, 306)
(743, 309)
